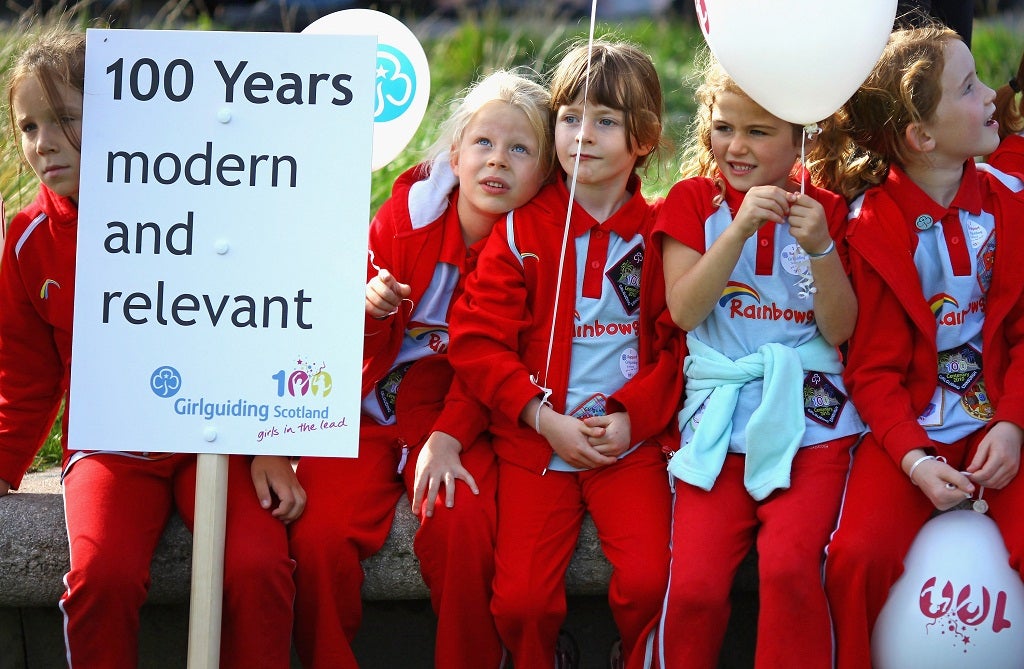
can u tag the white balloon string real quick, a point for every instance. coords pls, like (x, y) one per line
(572, 198)
(811, 130)
(806, 279)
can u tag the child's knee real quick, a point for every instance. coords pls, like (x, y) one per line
(109, 579)
(522, 606)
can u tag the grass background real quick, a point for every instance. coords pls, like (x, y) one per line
(461, 50)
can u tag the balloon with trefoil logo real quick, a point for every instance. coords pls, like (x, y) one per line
(401, 78)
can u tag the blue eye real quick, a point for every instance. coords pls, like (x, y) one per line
(519, 148)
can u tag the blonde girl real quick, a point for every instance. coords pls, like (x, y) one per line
(418, 436)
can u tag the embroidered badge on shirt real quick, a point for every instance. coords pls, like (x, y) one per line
(823, 402)
(594, 406)
(976, 403)
(959, 367)
(986, 261)
(625, 277)
(387, 389)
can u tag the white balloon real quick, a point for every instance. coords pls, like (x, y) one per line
(799, 59)
(403, 76)
(957, 604)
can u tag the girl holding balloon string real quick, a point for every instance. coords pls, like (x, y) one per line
(936, 360)
(754, 272)
(493, 154)
(557, 334)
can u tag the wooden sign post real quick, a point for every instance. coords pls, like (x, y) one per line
(206, 596)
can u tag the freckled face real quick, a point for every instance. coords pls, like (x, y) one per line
(47, 149)
(962, 125)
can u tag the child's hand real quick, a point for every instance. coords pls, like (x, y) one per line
(807, 223)
(615, 439)
(5, 487)
(272, 475)
(942, 484)
(760, 205)
(569, 437)
(998, 458)
(384, 294)
(439, 464)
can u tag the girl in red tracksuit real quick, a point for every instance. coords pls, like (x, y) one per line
(936, 360)
(493, 155)
(753, 272)
(1009, 157)
(116, 504)
(556, 335)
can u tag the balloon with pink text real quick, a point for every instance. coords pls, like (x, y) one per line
(958, 604)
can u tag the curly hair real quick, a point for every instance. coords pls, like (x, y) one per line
(903, 88)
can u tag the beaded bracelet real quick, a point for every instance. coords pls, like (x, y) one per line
(831, 247)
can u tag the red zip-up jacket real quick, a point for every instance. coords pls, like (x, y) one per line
(1009, 157)
(417, 227)
(892, 368)
(502, 325)
(37, 297)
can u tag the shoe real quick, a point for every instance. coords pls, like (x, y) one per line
(567, 651)
(615, 658)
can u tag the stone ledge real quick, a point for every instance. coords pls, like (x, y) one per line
(34, 555)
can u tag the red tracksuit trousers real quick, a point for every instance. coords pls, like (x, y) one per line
(714, 530)
(351, 504)
(538, 526)
(116, 507)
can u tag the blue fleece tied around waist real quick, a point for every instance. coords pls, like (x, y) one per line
(775, 429)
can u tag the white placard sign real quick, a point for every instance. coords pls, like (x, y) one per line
(223, 220)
